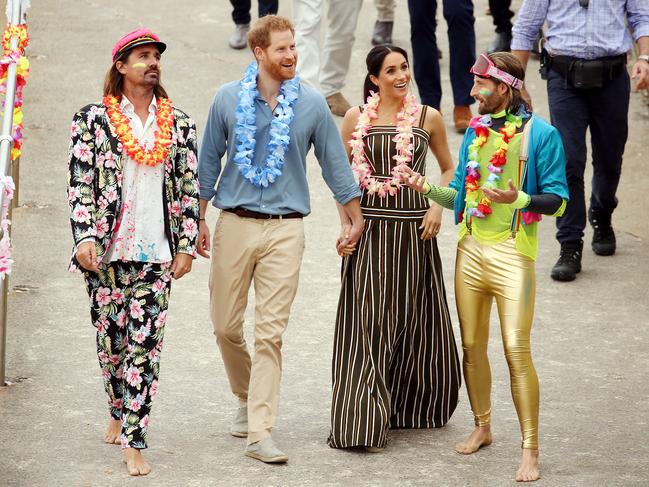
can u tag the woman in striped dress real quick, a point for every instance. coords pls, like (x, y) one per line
(395, 363)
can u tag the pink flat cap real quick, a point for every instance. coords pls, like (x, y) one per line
(137, 37)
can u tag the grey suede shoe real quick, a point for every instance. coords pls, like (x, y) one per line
(266, 451)
(239, 39)
(239, 426)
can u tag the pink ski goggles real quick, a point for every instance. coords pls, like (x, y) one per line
(485, 68)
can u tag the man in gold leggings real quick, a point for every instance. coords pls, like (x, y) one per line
(511, 170)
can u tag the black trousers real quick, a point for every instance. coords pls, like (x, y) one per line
(461, 37)
(241, 9)
(502, 14)
(604, 111)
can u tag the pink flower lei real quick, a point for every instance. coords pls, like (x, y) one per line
(406, 119)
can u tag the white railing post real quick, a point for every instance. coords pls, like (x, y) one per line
(6, 145)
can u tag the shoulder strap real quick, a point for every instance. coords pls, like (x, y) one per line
(525, 140)
(422, 117)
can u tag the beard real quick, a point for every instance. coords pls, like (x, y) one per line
(490, 104)
(277, 71)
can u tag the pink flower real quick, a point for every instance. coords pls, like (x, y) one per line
(87, 177)
(117, 403)
(121, 319)
(135, 404)
(162, 320)
(158, 286)
(103, 357)
(144, 422)
(102, 227)
(75, 129)
(175, 209)
(140, 335)
(114, 359)
(105, 373)
(154, 389)
(80, 214)
(111, 194)
(103, 296)
(189, 227)
(102, 324)
(192, 162)
(74, 194)
(136, 309)
(124, 441)
(82, 151)
(119, 373)
(133, 376)
(117, 296)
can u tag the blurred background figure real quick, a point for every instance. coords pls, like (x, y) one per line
(241, 18)
(329, 73)
(584, 61)
(461, 38)
(502, 15)
(384, 22)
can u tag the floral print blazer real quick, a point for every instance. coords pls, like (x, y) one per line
(95, 177)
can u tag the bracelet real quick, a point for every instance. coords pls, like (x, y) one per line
(201, 219)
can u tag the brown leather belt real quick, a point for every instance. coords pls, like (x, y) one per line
(244, 213)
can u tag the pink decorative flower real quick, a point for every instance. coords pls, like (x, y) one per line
(136, 309)
(133, 376)
(117, 296)
(135, 404)
(190, 228)
(175, 209)
(80, 214)
(192, 161)
(82, 151)
(102, 227)
(144, 422)
(103, 296)
(154, 389)
(122, 317)
(162, 320)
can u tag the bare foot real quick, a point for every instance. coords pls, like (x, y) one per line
(135, 463)
(479, 437)
(113, 432)
(529, 469)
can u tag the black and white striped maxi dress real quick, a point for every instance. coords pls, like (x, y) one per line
(395, 364)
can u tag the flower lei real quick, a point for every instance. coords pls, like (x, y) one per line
(7, 184)
(122, 126)
(477, 204)
(15, 56)
(246, 128)
(406, 119)
(12, 56)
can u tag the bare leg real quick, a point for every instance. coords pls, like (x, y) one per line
(135, 463)
(481, 436)
(529, 469)
(113, 432)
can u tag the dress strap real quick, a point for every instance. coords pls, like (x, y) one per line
(422, 117)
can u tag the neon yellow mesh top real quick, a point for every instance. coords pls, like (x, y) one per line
(497, 227)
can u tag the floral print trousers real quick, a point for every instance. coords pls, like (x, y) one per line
(128, 307)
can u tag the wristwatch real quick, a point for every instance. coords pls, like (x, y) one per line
(644, 57)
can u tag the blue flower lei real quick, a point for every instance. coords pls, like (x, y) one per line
(246, 129)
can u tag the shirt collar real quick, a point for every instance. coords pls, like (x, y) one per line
(128, 107)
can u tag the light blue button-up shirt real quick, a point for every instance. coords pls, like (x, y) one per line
(599, 30)
(312, 125)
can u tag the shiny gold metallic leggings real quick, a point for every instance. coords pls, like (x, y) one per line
(484, 272)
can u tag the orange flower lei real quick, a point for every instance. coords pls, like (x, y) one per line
(122, 127)
(19, 30)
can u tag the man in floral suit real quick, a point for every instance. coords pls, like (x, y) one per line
(133, 196)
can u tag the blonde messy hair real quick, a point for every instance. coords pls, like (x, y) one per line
(259, 35)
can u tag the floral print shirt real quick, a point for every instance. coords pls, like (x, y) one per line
(97, 171)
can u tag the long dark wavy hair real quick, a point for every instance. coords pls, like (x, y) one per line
(374, 62)
(114, 81)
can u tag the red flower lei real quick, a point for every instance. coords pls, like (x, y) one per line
(122, 127)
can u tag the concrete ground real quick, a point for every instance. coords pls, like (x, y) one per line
(590, 336)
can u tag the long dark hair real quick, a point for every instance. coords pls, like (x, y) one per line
(114, 81)
(374, 62)
(507, 62)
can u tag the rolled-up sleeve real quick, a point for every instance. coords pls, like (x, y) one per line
(333, 160)
(637, 13)
(212, 148)
(528, 23)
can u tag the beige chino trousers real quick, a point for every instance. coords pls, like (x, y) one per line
(267, 253)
